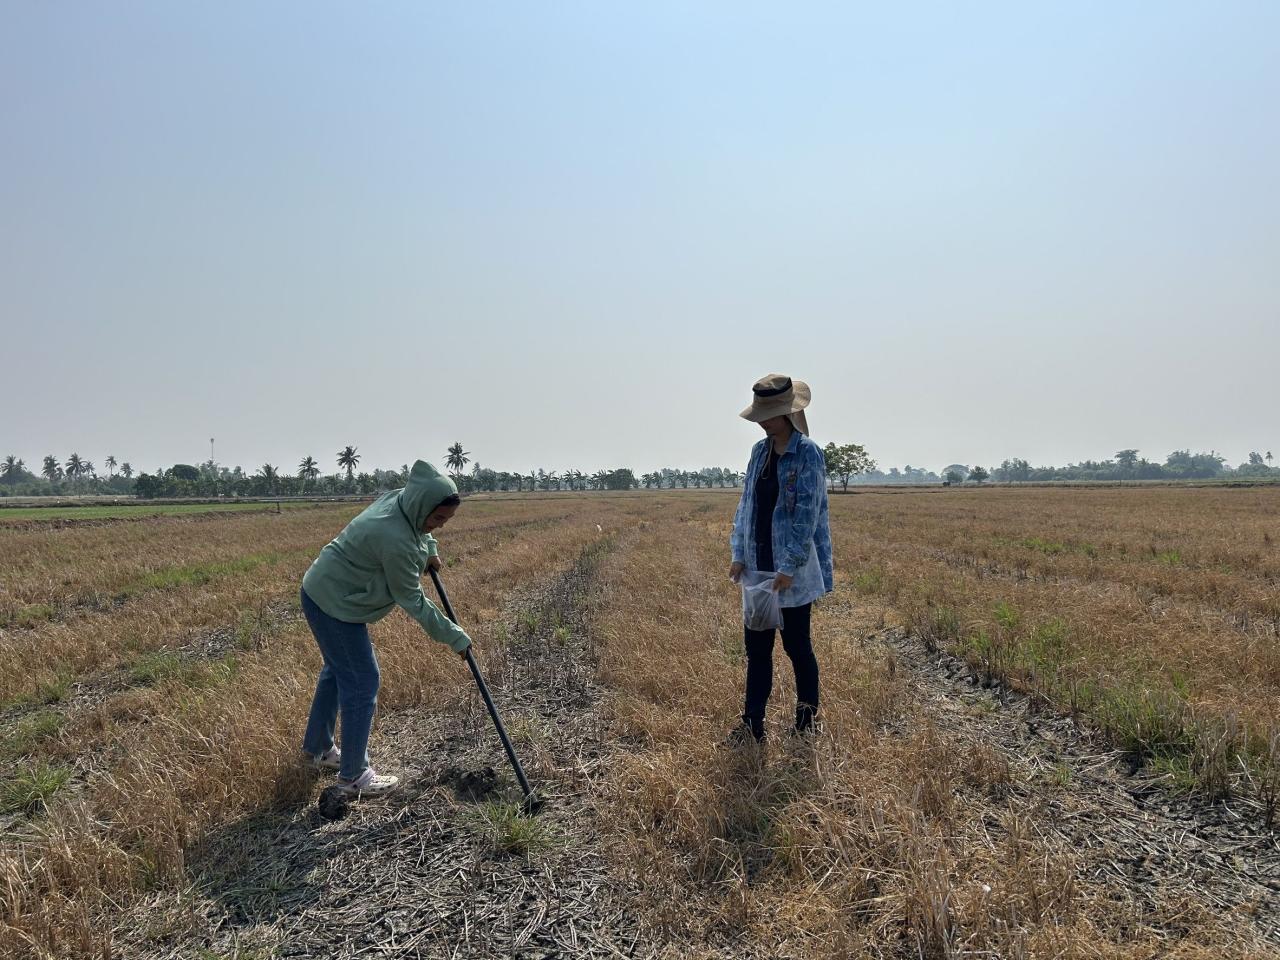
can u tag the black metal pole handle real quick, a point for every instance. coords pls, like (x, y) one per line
(484, 691)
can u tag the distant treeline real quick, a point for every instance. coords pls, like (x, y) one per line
(846, 465)
(1125, 465)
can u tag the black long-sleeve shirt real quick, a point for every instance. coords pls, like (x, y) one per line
(766, 501)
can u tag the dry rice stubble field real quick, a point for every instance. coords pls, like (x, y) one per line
(111, 792)
(445, 867)
(915, 828)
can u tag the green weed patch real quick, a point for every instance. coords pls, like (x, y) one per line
(28, 790)
(509, 831)
(170, 578)
(155, 668)
(29, 733)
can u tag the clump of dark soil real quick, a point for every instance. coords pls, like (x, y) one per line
(470, 785)
(333, 803)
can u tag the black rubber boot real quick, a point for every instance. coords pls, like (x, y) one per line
(807, 720)
(750, 730)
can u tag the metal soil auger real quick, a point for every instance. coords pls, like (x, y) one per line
(532, 803)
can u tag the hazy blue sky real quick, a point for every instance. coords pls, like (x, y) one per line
(573, 234)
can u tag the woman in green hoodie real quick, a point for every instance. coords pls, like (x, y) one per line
(376, 563)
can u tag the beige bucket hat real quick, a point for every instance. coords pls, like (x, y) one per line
(777, 395)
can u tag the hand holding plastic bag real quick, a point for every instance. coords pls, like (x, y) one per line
(761, 605)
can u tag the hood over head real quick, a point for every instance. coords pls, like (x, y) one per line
(426, 489)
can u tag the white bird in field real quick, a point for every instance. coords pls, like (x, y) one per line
(599, 529)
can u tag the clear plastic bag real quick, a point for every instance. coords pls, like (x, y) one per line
(761, 605)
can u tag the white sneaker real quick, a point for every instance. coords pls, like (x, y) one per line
(331, 759)
(368, 784)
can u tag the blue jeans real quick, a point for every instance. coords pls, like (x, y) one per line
(348, 683)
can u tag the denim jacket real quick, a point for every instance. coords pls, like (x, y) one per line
(801, 530)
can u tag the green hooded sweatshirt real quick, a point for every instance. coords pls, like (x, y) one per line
(377, 561)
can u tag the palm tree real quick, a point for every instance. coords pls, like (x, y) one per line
(308, 470)
(52, 472)
(457, 458)
(11, 468)
(75, 467)
(126, 470)
(269, 474)
(1268, 458)
(111, 467)
(349, 459)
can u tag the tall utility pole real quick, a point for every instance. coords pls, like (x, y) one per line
(211, 450)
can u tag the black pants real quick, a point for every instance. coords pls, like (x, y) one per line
(799, 647)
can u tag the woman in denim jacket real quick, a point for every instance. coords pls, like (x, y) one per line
(781, 527)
